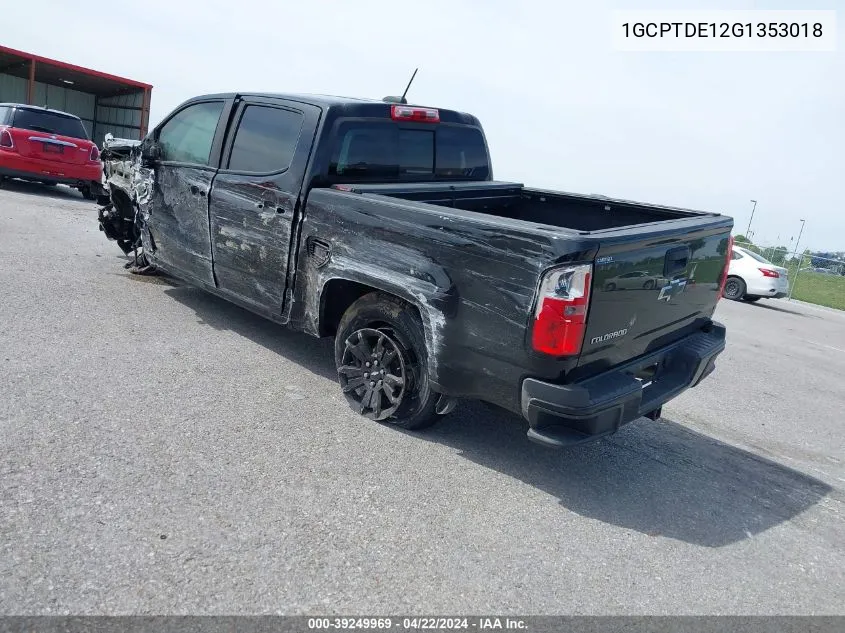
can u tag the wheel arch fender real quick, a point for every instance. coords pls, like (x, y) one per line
(433, 305)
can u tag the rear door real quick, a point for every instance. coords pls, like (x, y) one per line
(256, 196)
(652, 285)
(177, 223)
(49, 135)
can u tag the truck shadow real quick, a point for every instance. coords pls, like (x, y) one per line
(657, 478)
(761, 305)
(314, 354)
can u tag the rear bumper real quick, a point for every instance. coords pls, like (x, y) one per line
(16, 166)
(563, 415)
(767, 287)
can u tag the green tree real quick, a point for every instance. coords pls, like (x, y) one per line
(779, 255)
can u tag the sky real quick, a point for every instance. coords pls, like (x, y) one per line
(560, 107)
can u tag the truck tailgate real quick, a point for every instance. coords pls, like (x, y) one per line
(652, 286)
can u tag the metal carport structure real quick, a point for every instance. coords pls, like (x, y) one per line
(105, 103)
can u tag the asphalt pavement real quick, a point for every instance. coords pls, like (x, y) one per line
(165, 452)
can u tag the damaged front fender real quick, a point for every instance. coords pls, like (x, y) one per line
(129, 185)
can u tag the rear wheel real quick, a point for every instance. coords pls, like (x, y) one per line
(382, 362)
(87, 193)
(734, 288)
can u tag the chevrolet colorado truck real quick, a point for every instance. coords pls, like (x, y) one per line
(379, 223)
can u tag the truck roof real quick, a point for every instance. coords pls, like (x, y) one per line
(313, 99)
(325, 101)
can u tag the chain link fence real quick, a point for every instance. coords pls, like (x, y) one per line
(813, 278)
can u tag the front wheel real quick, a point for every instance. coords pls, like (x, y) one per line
(382, 362)
(734, 288)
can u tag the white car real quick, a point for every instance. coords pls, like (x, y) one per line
(752, 277)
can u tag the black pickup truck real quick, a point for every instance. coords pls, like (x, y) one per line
(379, 223)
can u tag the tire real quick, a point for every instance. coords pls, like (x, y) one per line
(377, 329)
(751, 299)
(734, 289)
(610, 287)
(649, 284)
(87, 193)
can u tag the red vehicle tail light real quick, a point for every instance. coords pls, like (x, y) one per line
(769, 273)
(560, 319)
(6, 139)
(95, 154)
(724, 278)
(410, 113)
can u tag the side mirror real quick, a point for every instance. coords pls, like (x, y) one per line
(150, 153)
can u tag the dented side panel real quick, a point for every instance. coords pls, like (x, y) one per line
(472, 278)
(175, 215)
(251, 218)
(250, 231)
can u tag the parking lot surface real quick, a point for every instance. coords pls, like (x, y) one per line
(166, 452)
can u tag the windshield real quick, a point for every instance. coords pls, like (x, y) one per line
(49, 122)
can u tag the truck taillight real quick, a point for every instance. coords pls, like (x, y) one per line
(724, 278)
(560, 319)
(769, 273)
(6, 139)
(410, 113)
(95, 153)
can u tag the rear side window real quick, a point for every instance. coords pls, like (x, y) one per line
(372, 151)
(461, 153)
(49, 122)
(4, 112)
(187, 137)
(266, 139)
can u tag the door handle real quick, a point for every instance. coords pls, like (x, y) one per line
(197, 191)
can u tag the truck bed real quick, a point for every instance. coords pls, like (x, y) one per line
(576, 212)
(656, 270)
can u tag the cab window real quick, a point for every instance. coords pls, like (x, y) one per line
(188, 136)
(266, 140)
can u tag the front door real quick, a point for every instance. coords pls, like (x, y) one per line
(255, 197)
(177, 222)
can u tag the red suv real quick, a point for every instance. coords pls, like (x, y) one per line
(48, 146)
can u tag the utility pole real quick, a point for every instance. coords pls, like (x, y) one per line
(797, 268)
(748, 230)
